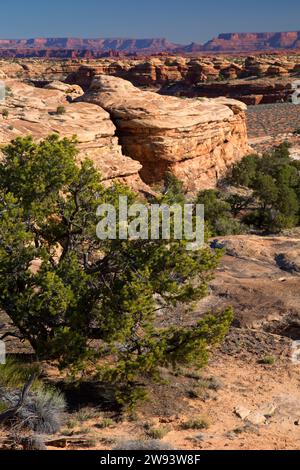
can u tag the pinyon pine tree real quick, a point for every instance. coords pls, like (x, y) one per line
(83, 301)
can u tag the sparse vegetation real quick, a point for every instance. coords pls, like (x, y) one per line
(157, 433)
(219, 214)
(197, 423)
(105, 423)
(60, 110)
(268, 360)
(274, 180)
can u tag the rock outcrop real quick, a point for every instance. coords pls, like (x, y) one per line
(196, 140)
(249, 91)
(30, 110)
(254, 80)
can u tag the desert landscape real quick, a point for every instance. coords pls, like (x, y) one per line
(138, 344)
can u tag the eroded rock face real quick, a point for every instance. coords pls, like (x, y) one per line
(34, 111)
(197, 140)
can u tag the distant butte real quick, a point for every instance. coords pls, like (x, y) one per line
(95, 48)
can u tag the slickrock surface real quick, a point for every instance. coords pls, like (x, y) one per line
(273, 119)
(33, 111)
(196, 140)
(260, 278)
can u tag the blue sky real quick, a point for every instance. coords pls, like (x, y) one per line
(179, 20)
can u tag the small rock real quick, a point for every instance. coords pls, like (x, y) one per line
(256, 418)
(268, 409)
(242, 412)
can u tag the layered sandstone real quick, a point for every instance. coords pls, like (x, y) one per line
(241, 42)
(29, 110)
(249, 91)
(197, 140)
(254, 80)
(92, 48)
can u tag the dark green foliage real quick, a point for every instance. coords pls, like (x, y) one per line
(62, 286)
(219, 214)
(274, 180)
(60, 110)
(173, 191)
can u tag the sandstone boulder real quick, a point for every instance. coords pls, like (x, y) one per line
(197, 140)
(33, 111)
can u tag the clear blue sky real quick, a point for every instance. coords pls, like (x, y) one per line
(178, 20)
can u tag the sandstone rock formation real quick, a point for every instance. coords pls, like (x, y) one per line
(197, 140)
(30, 110)
(258, 79)
(249, 91)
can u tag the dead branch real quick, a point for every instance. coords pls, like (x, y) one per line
(11, 413)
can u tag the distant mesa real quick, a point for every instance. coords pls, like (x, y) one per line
(94, 48)
(245, 42)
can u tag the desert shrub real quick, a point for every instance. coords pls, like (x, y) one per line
(156, 433)
(92, 289)
(173, 190)
(268, 360)
(85, 414)
(43, 408)
(33, 443)
(198, 423)
(44, 411)
(142, 445)
(105, 423)
(60, 110)
(5, 113)
(218, 214)
(274, 180)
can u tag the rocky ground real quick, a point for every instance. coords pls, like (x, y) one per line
(272, 119)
